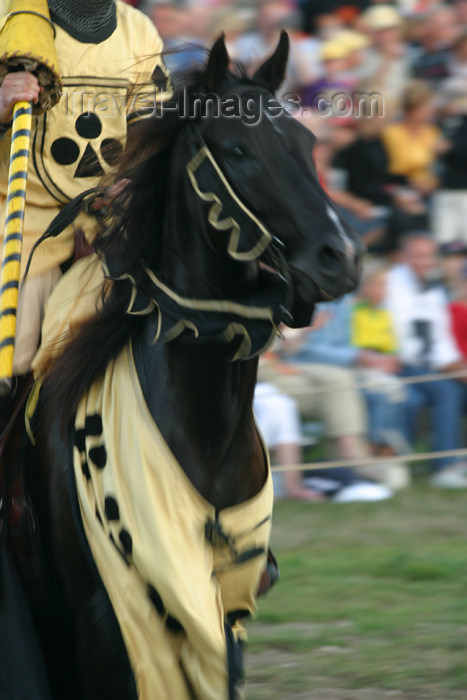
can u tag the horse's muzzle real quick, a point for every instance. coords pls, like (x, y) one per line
(330, 271)
(338, 265)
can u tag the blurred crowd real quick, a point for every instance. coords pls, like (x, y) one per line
(384, 88)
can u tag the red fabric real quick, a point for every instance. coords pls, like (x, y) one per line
(459, 325)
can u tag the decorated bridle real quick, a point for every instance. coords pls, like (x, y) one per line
(247, 240)
(256, 323)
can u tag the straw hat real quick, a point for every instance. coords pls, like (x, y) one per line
(381, 17)
(334, 49)
(354, 41)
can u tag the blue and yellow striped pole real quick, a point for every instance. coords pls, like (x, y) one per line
(26, 44)
(13, 239)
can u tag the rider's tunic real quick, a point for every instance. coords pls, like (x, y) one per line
(175, 570)
(76, 142)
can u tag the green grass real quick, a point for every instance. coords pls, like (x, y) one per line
(372, 602)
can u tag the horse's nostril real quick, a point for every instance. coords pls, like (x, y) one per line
(329, 258)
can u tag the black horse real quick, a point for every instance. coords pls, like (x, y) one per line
(222, 233)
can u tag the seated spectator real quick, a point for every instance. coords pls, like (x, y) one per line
(357, 45)
(319, 14)
(386, 68)
(458, 312)
(449, 220)
(426, 345)
(335, 65)
(365, 164)
(250, 48)
(279, 422)
(278, 419)
(183, 50)
(453, 260)
(431, 59)
(361, 200)
(456, 83)
(331, 344)
(372, 329)
(411, 143)
(335, 79)
(321, 17)
(374, 202)
(326, 394)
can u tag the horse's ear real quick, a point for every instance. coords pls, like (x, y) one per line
(218, 64)
(272, 72)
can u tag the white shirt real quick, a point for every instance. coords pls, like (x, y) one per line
(421, 320)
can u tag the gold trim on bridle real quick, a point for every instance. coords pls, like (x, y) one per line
(216, 209)
(253, 312)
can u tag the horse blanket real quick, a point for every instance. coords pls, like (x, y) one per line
(180, 575)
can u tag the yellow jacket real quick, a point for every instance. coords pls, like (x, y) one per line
(75, 143)
(372, 329)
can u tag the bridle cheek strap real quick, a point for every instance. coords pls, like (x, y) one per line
(247, 236)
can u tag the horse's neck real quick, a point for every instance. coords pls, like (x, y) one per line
(202, 402)
(202, 405)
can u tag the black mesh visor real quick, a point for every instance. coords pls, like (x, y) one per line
(83, 15)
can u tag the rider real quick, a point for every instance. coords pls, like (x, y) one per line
(107, 53)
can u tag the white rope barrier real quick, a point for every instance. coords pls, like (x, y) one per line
(370, 461)
(376, 461)
(398, 381)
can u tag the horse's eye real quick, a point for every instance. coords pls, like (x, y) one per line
(236, 151)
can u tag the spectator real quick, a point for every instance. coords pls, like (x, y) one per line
(357, 44)
(456, 83)
(449, 220)
(327, 394)
(335, 55)
(331, 345)
(341, 58)
(304, 64)
(370, 198)
(453, 260)
(322, 16)
(458, 312)
(272, 16)
(181, 49)
(411, 143)
(279, 422)
(372, 329)
(430, 61)
(387, 63)
(421, 316)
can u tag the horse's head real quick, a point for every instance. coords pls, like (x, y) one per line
(247, 143)
(228, 215)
